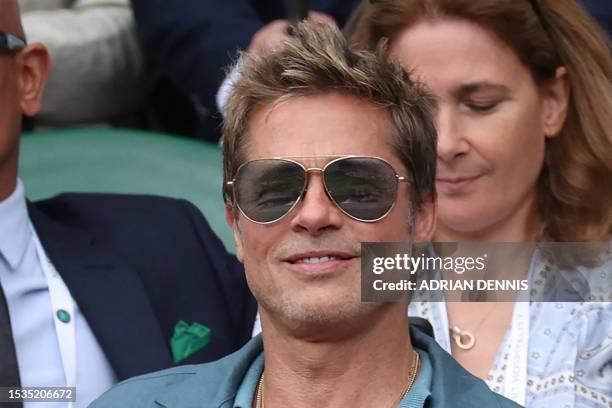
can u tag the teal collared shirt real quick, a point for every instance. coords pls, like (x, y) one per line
(216, 385)
(420, 391)
(248, 386)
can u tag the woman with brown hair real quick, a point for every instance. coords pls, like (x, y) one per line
(524, 154)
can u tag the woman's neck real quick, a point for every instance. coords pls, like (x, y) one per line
(523, 225)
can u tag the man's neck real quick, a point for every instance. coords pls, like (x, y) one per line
(8, 181)
(369, 368)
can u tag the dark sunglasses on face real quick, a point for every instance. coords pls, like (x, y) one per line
(362, 187)
(9, 42)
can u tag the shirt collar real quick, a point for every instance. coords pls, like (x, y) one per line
(421, 389)
(416, 398)
(14, 233)
(247, 389)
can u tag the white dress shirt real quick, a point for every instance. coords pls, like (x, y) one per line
(33, 319)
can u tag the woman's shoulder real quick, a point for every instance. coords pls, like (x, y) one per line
(572, 272)
(570, 353)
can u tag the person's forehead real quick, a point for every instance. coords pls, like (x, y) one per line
(319, 125)
(449, 53)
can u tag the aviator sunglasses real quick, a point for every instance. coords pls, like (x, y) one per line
(362, 187)
(9, 42)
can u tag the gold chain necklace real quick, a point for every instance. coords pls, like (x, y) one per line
(416, 365)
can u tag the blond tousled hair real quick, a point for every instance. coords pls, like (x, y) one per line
(318, 60)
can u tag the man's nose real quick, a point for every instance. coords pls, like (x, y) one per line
(316, 212)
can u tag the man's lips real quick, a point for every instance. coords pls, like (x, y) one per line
(319, 262)
(311, 256)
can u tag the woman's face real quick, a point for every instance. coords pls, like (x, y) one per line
(492, 122)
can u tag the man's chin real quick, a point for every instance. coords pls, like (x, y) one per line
(318, 321)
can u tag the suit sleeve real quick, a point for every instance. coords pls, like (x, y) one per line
(339, 9)
(193, 40)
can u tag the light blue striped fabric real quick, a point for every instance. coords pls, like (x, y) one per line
(569, 358)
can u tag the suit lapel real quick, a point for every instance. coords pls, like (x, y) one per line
(109, 293)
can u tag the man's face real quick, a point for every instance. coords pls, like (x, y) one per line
(305, 268)
(10, 111)
(23, 74)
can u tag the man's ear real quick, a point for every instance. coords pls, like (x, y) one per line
(425, 221)
(33, 66)
(232, 221)
(556, 94)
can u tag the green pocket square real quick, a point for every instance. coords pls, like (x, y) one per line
(187, 339)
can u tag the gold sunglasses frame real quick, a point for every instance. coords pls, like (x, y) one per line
(321, 170)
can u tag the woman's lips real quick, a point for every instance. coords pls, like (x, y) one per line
(456, 184)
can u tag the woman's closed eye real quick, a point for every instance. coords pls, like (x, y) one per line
(480, 106)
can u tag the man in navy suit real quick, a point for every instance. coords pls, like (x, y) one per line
(97, 288)
(194, 40)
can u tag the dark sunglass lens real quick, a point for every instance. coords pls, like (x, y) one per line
(363, 187)
(267, 189)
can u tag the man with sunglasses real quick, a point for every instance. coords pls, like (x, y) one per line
(96, 288)
(323, 149)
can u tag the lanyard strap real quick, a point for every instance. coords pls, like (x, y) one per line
(515, 380)
(514, 385)
(62, 305)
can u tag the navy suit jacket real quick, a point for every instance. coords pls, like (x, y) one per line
(136, 266)
(194, 40)
(601, 10)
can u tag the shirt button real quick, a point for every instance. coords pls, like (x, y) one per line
(63, 316)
